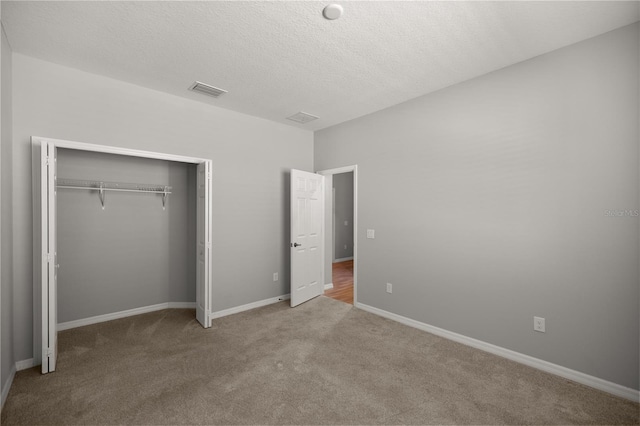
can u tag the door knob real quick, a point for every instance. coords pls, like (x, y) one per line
(296, 244)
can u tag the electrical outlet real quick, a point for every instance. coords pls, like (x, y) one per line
(345, 246)
(389, 288)
(275, 276)
(538, 324)
(371, 233)
(346, 223)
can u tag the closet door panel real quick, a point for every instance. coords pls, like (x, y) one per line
(45, 252)
(203, 237)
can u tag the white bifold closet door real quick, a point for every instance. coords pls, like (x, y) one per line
(49, 256)
(203, 235)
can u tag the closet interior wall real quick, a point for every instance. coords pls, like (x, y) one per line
(133, 253)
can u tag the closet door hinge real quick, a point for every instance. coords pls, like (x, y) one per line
(48, 258)
(49, 352)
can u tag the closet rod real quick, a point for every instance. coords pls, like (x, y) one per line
(97, 188)
(102, 187)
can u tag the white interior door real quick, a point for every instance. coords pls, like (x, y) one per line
(203, 231)
(48, 249)
(307, 236)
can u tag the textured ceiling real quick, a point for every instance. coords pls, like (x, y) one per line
(278, 58)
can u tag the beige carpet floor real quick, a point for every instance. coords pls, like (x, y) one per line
(324, 362)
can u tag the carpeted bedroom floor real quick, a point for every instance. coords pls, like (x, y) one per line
(323, 362)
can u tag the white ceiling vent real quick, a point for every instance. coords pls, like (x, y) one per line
(207, 89)
(302, 117)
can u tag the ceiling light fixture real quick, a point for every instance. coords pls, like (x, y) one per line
(332, 12)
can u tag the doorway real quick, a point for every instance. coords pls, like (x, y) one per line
(341, 234)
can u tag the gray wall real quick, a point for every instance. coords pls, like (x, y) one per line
(251, 162)
(343, 243)
(489, 200)
(6, 216)
(133, 253)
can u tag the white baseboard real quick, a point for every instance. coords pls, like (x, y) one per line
(123, 314)
(181, 305)
(328, 286)
(248, 306)
(25, 364)
(7, 385)
(558, 370)
(343, 259)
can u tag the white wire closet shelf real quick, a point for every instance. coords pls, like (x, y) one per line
(102, 187)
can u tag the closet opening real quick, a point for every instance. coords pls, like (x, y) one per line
(117, 232)
(130, 244)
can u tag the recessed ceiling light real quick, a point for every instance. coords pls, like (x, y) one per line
(302, 117)
(333, 11)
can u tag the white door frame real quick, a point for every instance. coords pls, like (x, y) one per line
(336, 171)
(333, 223)
(40, 308)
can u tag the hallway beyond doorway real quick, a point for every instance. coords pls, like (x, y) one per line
(342, 282)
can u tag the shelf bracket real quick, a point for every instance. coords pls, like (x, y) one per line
(101, 194)
(164, 197)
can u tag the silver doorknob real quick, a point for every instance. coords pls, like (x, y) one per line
(296, 244)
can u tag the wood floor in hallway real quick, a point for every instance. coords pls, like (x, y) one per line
(342, 282)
